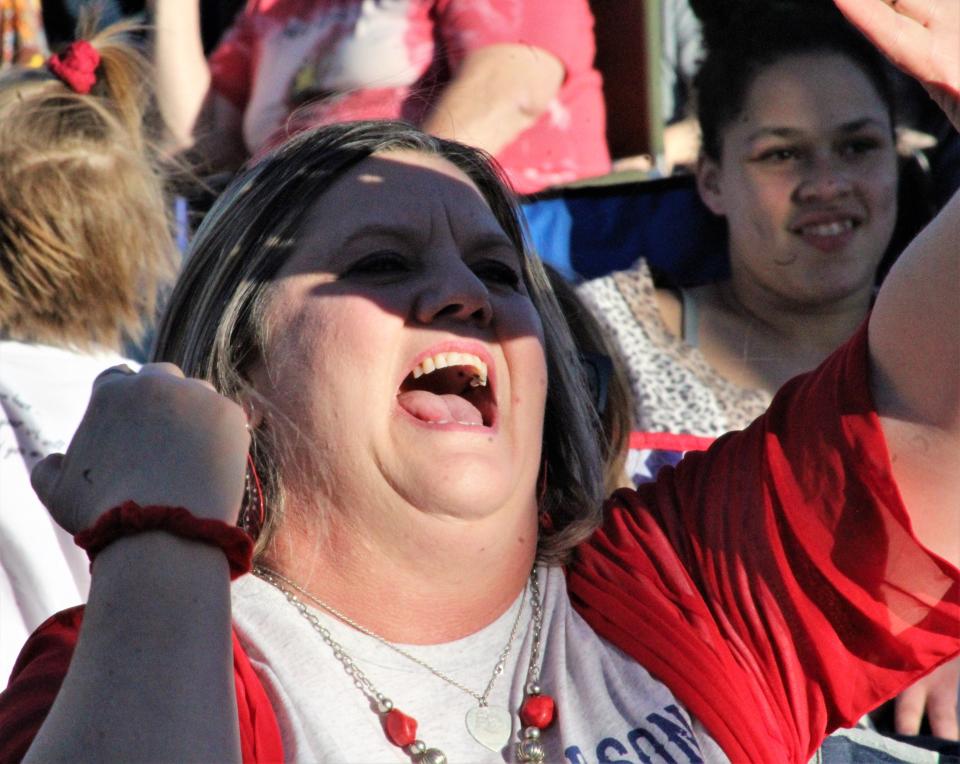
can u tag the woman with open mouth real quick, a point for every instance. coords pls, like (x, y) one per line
(363, 368)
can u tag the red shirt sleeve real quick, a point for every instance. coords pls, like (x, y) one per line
(773, 582)
(467, 25)
(42, 666)
(35, 682)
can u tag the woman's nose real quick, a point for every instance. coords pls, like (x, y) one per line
(453, 292)
(823, 181)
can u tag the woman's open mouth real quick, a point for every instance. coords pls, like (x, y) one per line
(449, 388)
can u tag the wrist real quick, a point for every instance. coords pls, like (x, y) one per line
(131, 519)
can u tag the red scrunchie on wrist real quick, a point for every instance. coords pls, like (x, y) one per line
(76, 66)
(130, 518)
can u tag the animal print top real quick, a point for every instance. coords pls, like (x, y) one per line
(675, 389)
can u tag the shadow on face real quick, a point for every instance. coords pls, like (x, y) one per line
(368, 301)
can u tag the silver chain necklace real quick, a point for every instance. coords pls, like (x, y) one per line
(489, 726)
(481, 698)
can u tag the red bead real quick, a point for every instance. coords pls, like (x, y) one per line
(401, 729)
(537, 711)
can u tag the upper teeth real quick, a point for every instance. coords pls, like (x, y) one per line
(828, 229)
(443, 360)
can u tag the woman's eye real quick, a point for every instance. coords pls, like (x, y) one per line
(496, 272)
(378, 262)
(859, 147)
(774, 156)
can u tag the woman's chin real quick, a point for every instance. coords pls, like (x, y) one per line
(465, 487)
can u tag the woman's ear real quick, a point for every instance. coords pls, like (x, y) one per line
(253, 402)
(252, 407)
(709, 184)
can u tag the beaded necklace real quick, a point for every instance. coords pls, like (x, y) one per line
(489, 726)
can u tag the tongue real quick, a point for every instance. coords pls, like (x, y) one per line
(430, 407)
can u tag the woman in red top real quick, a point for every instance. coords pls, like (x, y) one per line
(362, 303)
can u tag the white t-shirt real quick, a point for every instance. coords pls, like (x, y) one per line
(43, 393)
(609, 709)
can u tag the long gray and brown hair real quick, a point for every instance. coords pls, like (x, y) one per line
(214, 326)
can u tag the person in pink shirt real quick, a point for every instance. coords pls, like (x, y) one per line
(513, 77)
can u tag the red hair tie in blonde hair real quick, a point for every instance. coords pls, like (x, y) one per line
(76, 66)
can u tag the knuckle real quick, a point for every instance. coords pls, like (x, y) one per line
(111, 376)
(909, 709)
(161, 368)
(151, 384)
(909, 702)
(120, 368)
(232, 411)
(102, 397)
(942, 706)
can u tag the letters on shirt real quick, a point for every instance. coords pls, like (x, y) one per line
(666, 738)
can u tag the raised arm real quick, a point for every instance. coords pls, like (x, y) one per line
(152, 674)
(196, 117)
(497, 92)
(915, 326)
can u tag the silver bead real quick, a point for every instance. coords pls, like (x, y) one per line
(533, 689)
(384, 704)
(531, 751)
(531, 733)
(433, 756)
(417, 747)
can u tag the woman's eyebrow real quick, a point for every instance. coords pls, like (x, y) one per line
(859, 124)
(774, 132)
(851, 126)
(490, 240)
(402, 231)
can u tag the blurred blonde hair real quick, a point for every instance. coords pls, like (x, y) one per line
(85, 237)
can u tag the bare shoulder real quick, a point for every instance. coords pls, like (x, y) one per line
(671, 310)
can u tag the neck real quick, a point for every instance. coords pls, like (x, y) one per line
(817, 327)
(418, 580)
(756, 340)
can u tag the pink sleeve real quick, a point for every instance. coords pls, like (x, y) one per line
(231, 63)
(467, 25)
(42, 666)
(773, 582)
